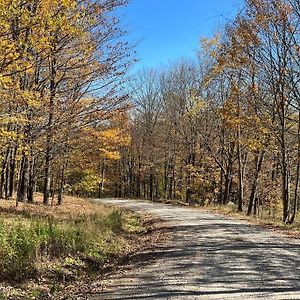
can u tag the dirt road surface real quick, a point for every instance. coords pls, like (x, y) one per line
(209, 257)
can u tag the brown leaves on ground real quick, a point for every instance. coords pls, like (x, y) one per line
(72, 207)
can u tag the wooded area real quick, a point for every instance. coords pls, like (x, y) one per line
(224, 128)
(62, 64)
(220, 130)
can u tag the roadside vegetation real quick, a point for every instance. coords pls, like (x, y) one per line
(44, 248)
(272, 221)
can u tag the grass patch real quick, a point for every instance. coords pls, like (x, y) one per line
(61, 244)
(28, 242)
(133, 223)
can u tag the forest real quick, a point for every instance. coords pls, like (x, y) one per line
(62, 66)
(218, 130)
(221, 128)
(224, 127)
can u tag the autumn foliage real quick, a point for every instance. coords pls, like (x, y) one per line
(226, 127)
(62, 64)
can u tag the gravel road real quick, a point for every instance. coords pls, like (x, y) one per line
(209, 257)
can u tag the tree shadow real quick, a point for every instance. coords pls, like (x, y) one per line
(239, 260)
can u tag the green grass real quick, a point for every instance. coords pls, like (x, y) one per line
(133, 223)
(27, 243)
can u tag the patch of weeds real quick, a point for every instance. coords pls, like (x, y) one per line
(2, 296)
(133, 224)
(73, 262)
(45, 249)
(35, 294)
(24, 244)
(114, 221)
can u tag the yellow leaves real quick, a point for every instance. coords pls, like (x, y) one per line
(5, 81)
(111, 155)
(246, 33)
(15, 119)
(7, 136)
(115, 136)
(230, 114)
(197, 106)
(88, 183)
(212, 44)
(252, 144)
(105, 141)
(68, 3)
(111, 139)
(55, 5)
(4, 134)
(240, 119)
(32, 98)
(110, 134)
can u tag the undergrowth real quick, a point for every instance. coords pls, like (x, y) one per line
(28, 242)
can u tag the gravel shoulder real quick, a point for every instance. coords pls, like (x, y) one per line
(208, 256)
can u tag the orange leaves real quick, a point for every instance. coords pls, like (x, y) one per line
(93, 144)
(246, 33)
(111, 139)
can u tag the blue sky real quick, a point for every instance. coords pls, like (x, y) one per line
(168, 30)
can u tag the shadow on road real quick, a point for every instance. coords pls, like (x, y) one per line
(212, 258)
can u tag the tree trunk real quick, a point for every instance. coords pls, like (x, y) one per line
(240, 173)
(172, 183)
(228, 175)
(258, 164)
(101, 183)
(151, 194)
(295, 206)
(31, 184)
(61, 186)
(221, 195)
(165, 181)
(23, 180)
(285, 187)
(12, 172)
(49, 141)
(3, 172)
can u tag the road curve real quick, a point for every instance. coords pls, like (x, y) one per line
(209, 257)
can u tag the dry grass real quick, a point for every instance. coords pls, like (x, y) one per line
(72, 208)
(273, 222)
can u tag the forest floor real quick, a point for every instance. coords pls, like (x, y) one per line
(59, 251)
(208, 256)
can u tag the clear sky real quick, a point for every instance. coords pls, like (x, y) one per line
(168, 30)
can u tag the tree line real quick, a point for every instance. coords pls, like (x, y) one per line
(62, 109)
(224, 127)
